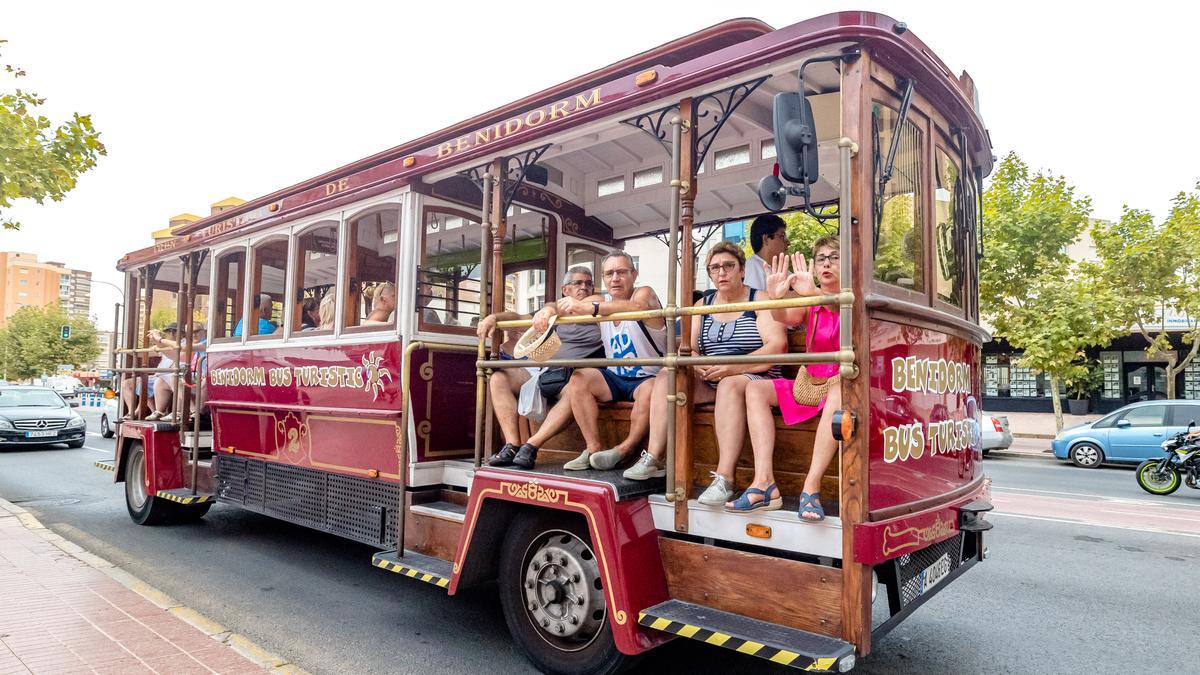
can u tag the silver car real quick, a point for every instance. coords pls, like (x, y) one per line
(996, 434)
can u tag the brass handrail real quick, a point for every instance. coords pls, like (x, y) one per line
(844, 298)
(788, 358)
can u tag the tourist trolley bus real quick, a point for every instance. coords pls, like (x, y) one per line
(315, 410)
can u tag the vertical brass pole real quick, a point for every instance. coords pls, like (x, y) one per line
(673, 493)
(687, 268)
(402, 442)
(846, 149)
(497, 231)
(485, 275)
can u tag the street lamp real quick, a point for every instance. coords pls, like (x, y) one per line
(116, 335)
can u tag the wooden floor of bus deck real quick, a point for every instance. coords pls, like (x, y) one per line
(623, 488)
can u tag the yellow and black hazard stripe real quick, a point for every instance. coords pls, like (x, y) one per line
(439, 581)
(184, 498)
(106, 464)
(738, 644)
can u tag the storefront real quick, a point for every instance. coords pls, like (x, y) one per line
(1129, 375)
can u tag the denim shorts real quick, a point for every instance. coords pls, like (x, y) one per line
(622, 387)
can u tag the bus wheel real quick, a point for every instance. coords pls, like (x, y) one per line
(144, 509)
(553, 596)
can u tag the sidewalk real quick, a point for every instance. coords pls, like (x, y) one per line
(67, 611)
(1040, 425)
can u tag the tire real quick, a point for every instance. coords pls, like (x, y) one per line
(106, 429)
(75, 445)
(1087, 455)
(1146, 478)
(536, 592)
(144, 509)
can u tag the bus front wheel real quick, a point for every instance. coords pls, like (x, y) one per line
(553, 596)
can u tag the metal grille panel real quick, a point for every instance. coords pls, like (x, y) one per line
(231, 479)
(36, 425)
(360, 509)
(909, 567)
(295, 494)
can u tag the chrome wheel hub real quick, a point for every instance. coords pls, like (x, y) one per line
(1086, 455)
(564, 595)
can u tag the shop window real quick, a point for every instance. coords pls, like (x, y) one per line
(316, 279)
(899, 224)
(228, 294)
(372, 252)
(950, 235)
(269, 288)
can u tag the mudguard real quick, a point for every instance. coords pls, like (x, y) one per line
(164, 458)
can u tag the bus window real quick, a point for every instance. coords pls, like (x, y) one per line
(372, 249)
(579, 255)
(525, 290)
(448, 279)
(900, 246)
(269, 281)
(316, 279)
(951, 236)
(227, 295)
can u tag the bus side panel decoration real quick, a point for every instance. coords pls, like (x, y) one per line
(924, 429)
(441, 418)
(622, 536)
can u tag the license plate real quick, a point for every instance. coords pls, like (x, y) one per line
(41, 434)
(934, 574)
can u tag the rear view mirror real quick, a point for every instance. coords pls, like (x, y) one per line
(796, 138)
(1123, 424)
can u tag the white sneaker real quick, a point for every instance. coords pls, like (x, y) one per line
(646, 468)
(154, 416)
(606, 460)
(718, 492)
(579, 463)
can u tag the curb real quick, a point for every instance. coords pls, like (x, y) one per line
(1042, 437)
(239, 643)
(1036, 454)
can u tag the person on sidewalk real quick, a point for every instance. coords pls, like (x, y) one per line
(588, 387)
(579, 341)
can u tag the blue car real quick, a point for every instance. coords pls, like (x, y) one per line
(1131, 434)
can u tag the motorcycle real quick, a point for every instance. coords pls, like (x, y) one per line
(1182, 464)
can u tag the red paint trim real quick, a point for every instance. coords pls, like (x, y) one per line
(317, 410)
(886, 539)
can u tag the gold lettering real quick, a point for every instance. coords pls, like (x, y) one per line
(443, 150)
(509, 128)
(461, 143)
(559, 109)
(891, 444)
(541, 118)
(592, 99)
(482, 137)
(898, 374)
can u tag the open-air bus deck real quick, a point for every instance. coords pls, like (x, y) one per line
(341, 385)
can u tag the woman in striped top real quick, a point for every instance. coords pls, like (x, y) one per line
(723, 334)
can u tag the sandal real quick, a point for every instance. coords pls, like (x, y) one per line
(810, 503)
(743, 504)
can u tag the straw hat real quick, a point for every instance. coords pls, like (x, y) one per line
(538, 346)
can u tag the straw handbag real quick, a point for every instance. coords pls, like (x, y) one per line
(808, 390)
(538, 346)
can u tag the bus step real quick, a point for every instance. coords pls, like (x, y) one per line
(780, 644)
(412, 564)
(185, 496)
(444, 510)
(107, 464)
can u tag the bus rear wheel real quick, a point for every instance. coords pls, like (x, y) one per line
(552, 592)
(145, 508)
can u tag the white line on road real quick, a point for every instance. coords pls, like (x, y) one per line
(1095, 524)
(107, 452)
(1121, 500)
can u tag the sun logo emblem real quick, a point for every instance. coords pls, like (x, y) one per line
(375, 374)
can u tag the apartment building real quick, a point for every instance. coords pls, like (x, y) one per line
(27, 282)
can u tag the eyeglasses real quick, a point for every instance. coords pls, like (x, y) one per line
(716, 268)
(619, 272)
(580, 283)
(832, 259)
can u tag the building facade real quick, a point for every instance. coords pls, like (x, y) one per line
(27, 282)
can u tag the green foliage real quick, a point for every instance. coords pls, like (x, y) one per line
(803, 231)
(1029, 220)
(160, 317)
(1067, 313)
(1086, 379)
(31, 344)
(39, 160)
(1154, 267)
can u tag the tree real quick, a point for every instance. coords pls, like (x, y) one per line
(38, 160)
(1067, 313)
(1028, 288)
(31, 344)
(803, 231)
(1154, 268)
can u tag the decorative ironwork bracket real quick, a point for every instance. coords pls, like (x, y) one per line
(654, 123)
(475, 174)
(721, 105)
(523, 162)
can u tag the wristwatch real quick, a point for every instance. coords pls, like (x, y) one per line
(595, 308)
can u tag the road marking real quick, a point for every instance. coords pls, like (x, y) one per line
(1095, 524)
(107, 452)
(1117, 500)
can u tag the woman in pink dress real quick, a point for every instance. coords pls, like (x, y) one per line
(822, 326)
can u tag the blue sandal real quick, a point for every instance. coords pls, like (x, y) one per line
(809, 504)
(743, 504)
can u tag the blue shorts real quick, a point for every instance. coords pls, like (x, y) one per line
(622, 387)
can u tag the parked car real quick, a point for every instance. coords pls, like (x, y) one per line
(38, 416)
(1131, 434)
(108, 418)
(996, 434)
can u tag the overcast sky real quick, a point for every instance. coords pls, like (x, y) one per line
(242, 98)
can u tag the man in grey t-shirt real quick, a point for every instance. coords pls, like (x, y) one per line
(578, 341)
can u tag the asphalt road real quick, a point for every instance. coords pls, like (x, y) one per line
(1071, 585)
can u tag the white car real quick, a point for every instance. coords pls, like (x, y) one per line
(108, 416)
(996, 434)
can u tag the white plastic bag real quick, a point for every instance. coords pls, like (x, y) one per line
(532, 405)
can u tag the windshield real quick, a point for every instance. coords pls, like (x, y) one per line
(25, 398)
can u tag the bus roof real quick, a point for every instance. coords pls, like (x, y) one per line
(700, 57)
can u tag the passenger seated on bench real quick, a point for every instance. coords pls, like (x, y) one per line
(822, 329)
(578, 341)
(383, 304)
(589, 387)
(724, 334)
